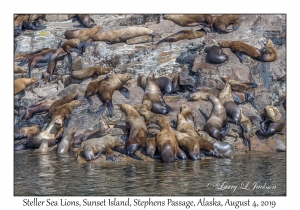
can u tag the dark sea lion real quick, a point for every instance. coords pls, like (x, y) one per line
(187, 114)
(136, 135)
(241, 48)
(222, 22)
(233, 111)
(94, 71)
(82, 34)
(155, 95)
(51, 134)
(121, 35)
(93, 148)
(18, 69)
(216, 55)
(268, 53)
(107, 88)
(184, 34)
(26, 132)
(67, 141)
(21, 83)
(164, 83)
(188, 144)
(166, 142)
(216, 125)
(92, 88)
(191, 20)
(150, 146)
(39, 107)
(85, 20)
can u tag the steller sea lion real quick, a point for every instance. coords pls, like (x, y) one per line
(67, 141)
(184, 34)
(216, 55)
(94, 71)
(21, 83)
(191, 20)
(92, 88)
(268, 53)
(121, 35)
(166, 142)
(107, 88)
(164, 83)
(155, 95)
(136, 135)
(85, 20)
(72, 45)
(44, 147)
(203, 93)
(187, 114)
(188, 144)
(241, 48)
(93, 148)
(39, 107)
(82, 34)
(222, 22)
(26, 132)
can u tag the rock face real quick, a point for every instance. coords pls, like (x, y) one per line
(186, 57)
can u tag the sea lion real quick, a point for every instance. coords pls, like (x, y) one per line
(150, 146)
(94, 71)
(149, 116)
(92, 88)
(44, 147)
(184, 34)
(18, 69)
(164, 83)
(51, 134)
(155, 95)
(82, 34)
(72, 45)
(188, 144)
(136, 135)
(19, 24)
(241, 48)
(216, 55)
(107, 88)
(39, 107)
(268, 53)
(233, 111)
(216, 125)
(147, 104)
(122, 35)
(93, 148)
(273, 122)
(65, 111)
(166, 142)
(26, 132)
(203, 93)
(23, 58)
(67, 141)
(238, 88)
(21, 83)
(85, 20)
(176, 87)
(187, 114)
(191, 20)
(222, 22)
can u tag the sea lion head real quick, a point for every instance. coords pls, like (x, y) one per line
(124, 77)
(183, 107)
(59, 123)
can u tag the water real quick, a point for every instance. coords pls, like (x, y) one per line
(51, 174)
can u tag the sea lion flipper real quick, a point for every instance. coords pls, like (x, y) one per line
(92, 25)
(236, 98)
(134, 156)
(225, 129)
(102, 107)
(90, 100)
(124, 91)
(23, 62)
(181, 154)
(240, 56)
(110, 108)
(74, 19)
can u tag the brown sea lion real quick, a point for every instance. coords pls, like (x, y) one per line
(26, 132)
(94, 71)
(188, 144)
(85, 20)
(203, 93)
(21, 83)
(176, 83)
(93, 148)
(166, 142)
(222, 22)
(268, 53)
(233, 111)
(147, 104)
(241, 48)
(51, 134)
(187, 114)
(273, 122)
(39, 107)
(136, 135)
(191, 20)
(67, 141)
(150, 146)
(164, 83)
(184, 34)
(107, 88)
(216, 125)
(155, 95)
(18, 69)
(65, 111)
(82, 34)
(121, 35)
(216, 55)
(92, 88)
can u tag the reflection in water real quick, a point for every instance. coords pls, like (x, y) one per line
(52, 174)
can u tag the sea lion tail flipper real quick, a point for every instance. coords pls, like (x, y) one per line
(92, 25)
(102, 107)
(80, 45)
(23, 62)
(110, 108)
(236, 98)
(240, 56)
(134, 156)
(90, 100)
(124, 91)
(121, 150)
